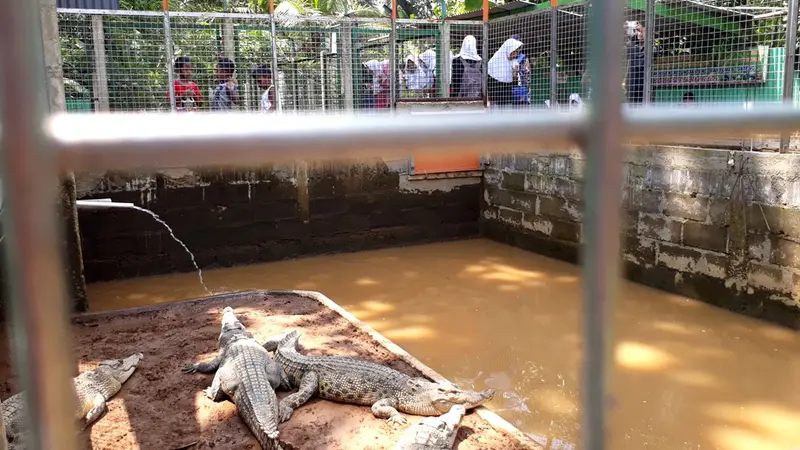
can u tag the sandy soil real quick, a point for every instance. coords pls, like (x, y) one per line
(160, 408)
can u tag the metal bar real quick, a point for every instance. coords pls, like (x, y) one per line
(112, 141)
(553, 56)
(41, 340)
(108, 12)
(444, 59)
(100, 73)
(168, 52)
(393, 59)
(650, 29)
(485, 57)
(788, 65)
(273, 41)
(322, 77)
(602, 191)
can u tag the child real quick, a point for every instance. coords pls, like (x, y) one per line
(263, 77)
(187, 94)
(226, 94)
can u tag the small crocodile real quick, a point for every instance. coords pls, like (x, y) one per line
(433, 433)
(248, 376)
(93, 389)
(354, 381)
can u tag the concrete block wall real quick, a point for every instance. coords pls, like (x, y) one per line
(718, 226)
(240, 216)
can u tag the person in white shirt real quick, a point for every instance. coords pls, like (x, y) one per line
(263, 77)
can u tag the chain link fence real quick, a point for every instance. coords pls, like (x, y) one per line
(679, 53)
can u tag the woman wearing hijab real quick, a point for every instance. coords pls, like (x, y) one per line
(467, 71)
(416, 78)
(503, 72)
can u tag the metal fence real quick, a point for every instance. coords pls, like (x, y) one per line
(677, 53)
(35, 147)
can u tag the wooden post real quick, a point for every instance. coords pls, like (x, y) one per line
(100, 74)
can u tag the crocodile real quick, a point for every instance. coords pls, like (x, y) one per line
(246, 374)
(433, 433)
(93, 388)
(350, 380)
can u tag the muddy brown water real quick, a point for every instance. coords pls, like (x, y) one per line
(688, 375)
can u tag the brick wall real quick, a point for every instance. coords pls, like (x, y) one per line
(242, 216)
(719, 226)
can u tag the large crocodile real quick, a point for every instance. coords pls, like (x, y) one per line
(93, 389)
(247, 375)
(433, 433)
(351, 380)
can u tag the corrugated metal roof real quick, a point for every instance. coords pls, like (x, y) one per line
(88, 4)
(506, 7)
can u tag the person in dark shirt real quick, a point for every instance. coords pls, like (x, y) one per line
(634, 84)
(226, 94)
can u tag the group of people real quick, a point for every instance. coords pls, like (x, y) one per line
(189, 97)
(508, 75)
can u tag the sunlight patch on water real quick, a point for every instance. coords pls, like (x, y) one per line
(635, 355)
(410, 333)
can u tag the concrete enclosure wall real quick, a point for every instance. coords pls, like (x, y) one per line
(719, 226)
(241, 216)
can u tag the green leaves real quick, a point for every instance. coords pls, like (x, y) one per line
(474, 5)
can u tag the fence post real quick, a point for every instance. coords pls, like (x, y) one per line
(444, 60)
(346, 65)
(650, 29)
(168, 52)
(553, 52)
(485, 54)
(100, 75)
(788, 65)
(273, 41)
(393, 58)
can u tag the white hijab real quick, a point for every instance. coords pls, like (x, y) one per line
(469, 49)
(500, 67)
(419, 79)
(428, 57)
(374, 65)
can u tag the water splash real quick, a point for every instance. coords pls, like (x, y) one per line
(172, 233)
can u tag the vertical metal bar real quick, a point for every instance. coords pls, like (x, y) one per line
(393, 59)
(788, 64)
(274, 46)
(3, 442)
(322, 76)
(444, 67)
(100, 78)
(485, 57)
(602, 194)
(650, 30)
(553, 54)
(41, 340)
(168, 52)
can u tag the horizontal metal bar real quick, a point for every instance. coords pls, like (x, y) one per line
(218, 15)
(109, 12)
(118, 141)
(129, 140)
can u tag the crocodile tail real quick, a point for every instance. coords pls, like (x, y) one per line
(289, 342)
(259, 411)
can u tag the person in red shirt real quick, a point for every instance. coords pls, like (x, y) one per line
(187, 94)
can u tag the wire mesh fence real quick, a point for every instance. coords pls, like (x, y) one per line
(308, 65)
(701, 53)
(418, 49)
(519, 60)
(468, 63)
(572, 79)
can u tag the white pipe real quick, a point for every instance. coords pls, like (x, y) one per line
(102, 204)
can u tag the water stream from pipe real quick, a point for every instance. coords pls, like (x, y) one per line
(172, 233)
